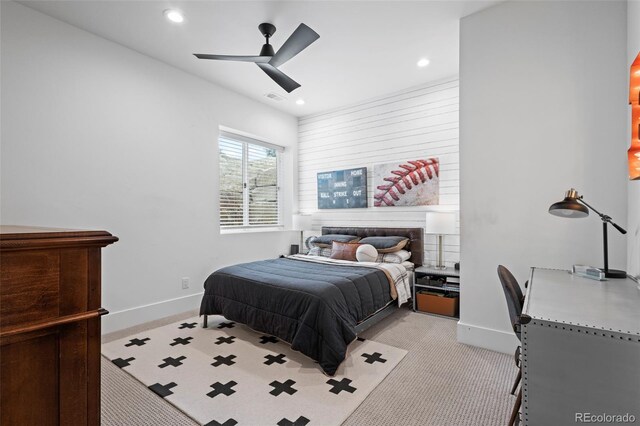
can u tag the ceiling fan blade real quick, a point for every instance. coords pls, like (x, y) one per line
(301, 38)
(256, 59)
(283, 80)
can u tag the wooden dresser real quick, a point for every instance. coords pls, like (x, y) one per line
(50, 325)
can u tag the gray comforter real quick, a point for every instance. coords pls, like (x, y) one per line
(313, 306)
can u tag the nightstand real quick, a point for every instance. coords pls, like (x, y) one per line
(440, 281)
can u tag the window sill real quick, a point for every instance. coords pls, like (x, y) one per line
(249, 230)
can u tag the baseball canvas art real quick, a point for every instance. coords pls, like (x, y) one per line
(407, 183)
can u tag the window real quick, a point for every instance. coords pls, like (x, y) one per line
(248, 182)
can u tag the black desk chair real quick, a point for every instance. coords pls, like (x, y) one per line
(515, 301)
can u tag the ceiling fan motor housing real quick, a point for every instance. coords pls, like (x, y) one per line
(267, 30)
(267, 50)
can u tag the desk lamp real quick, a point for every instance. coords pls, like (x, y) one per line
(573, 206)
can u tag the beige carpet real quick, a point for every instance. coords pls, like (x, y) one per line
(439, 382)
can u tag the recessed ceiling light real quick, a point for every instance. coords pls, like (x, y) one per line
(423, 62)
(174, 15)
(300, 102)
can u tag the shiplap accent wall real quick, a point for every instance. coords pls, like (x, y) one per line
(415, 123)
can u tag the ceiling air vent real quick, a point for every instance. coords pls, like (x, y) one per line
(274, 97)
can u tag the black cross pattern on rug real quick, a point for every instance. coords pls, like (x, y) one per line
(122, 362)
(138, 342)
(219, 388)
(361, 339)
(339, 386)
(174, 362)
(278, 387)
(188, 325)
(181, 341)
(162, 390)
(230, 422)
(228, 340)
(302, 421)
(270, 359)
(268, 339)
(374, 357)
(229, 324)
(223, 360)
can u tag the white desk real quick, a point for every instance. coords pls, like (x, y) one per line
(581, 348)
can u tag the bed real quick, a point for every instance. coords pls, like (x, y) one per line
(315, 304)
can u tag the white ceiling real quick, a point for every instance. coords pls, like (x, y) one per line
(366, 48)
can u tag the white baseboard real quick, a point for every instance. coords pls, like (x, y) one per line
(495, 340)
(488, 338)
(126, 318)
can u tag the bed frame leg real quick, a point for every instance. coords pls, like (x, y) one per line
(204, 322)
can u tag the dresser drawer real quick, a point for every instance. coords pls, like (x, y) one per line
(30, 287)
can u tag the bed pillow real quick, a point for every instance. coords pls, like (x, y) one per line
(366, 253)
(386, 244)
(395, 257)
(319, 251)
(409, 265)
(344, 251)
(326, 240)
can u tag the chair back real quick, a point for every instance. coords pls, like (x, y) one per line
(513, 283)
(513, 295)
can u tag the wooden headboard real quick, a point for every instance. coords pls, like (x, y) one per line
(415, 235)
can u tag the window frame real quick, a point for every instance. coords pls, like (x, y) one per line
(246, 140)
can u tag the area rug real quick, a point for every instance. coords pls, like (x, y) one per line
(228, 374)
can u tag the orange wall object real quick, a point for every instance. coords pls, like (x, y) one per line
(634, 100)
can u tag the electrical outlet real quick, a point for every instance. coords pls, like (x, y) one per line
(185, 283)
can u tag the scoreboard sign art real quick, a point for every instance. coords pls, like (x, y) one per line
(343, 189)
(407, 183)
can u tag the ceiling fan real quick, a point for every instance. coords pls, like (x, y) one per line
(268, 60)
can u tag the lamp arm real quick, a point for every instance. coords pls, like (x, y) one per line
(604, 217)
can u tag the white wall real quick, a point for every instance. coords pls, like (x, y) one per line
(633, 47)
(418, 122)
(542, 109)
(95, 135)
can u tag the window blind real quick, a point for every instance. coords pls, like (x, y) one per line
(231, 183)
(249, 192)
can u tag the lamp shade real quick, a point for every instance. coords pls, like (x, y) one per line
(440, 223)
(301, 222)
(569, 207)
